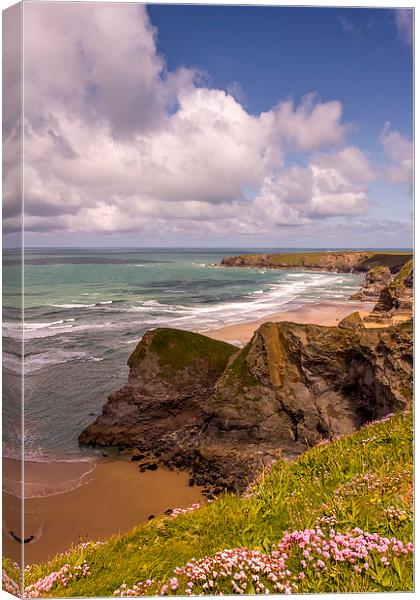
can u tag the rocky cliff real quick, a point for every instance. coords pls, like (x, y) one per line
(202, 405)
(172, 376)
(343, 262)
(397, 295)
(375, 280)
(295, 385)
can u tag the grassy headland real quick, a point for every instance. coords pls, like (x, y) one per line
(363, 480)
(344, 261)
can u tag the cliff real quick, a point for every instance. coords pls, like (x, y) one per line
(343, 262)
(397, 295)
(222, 413)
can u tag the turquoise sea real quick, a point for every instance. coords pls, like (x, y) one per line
(85, 311)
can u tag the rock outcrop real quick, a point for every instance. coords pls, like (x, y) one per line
(222, 413)
(375, 280)
(397, 296)
(172, 376)
(352, 321)
(295, 385)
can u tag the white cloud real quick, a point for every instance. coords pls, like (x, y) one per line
(114, 142)
(399, 151)
(310, 125)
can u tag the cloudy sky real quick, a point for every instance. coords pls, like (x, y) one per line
(215, 126)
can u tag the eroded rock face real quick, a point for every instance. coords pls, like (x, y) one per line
(223, 413)
(397, 296)
(295, 385)
(172, 376)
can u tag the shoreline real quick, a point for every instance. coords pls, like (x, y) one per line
(91, 510)
(64, 501)
(326, 313)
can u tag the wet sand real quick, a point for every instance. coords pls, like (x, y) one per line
(112, 497)
(322, 313)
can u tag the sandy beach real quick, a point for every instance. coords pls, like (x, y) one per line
(323, 313)
(111, 497)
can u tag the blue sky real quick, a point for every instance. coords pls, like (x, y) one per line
(275, 53)
(217, 126)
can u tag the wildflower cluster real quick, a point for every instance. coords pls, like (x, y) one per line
(397, 514)
(79, 548)
(59, 578)
(9, 585)
(300, 557)
(139, 589)
(369, 482)
(184, 511)
(381, 419)
(356, 548)
(329, 520)
(368, 440)
(239, 571)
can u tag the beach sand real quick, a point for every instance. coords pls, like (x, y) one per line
(112, 497)
(322, 313)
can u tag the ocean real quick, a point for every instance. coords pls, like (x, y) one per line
(86, 309)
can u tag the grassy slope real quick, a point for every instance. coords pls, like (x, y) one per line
(322, 482)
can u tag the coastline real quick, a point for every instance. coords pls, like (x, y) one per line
(320, 313)
(65, 501)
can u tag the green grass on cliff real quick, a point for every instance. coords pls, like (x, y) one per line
(312, 259)
(178, 349)
(398, 281)
(363, 480)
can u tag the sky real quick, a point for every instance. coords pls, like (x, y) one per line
(213, 126)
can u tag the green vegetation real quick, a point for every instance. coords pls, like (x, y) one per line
(363, 480)
(399, 280)
(238, 372)
(178, 349)
(394, 260)
(359, 261)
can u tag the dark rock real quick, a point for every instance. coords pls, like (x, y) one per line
(169, 511)
(152, 467)
(375, 279)
(137, 457)
(150, 517)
